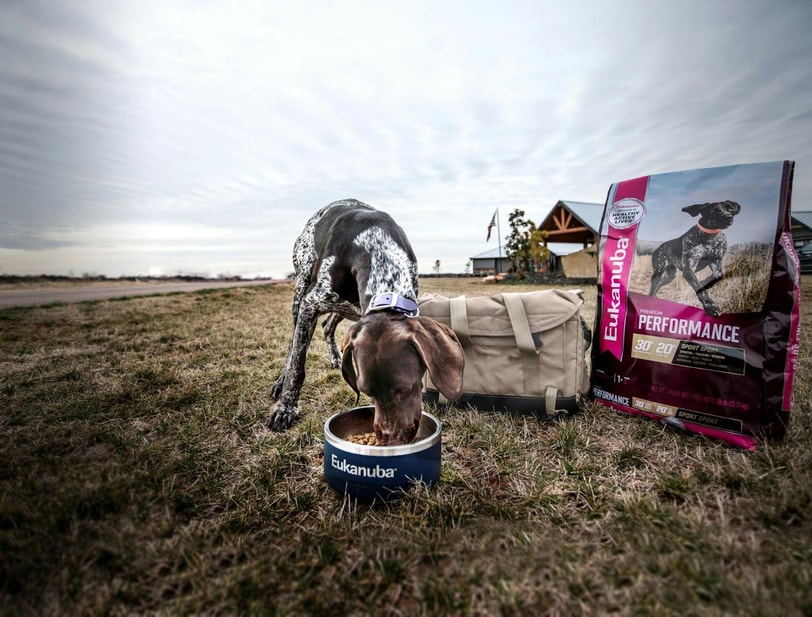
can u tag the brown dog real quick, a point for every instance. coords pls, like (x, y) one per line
(354, 262)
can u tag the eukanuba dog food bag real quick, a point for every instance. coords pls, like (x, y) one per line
(698, 301)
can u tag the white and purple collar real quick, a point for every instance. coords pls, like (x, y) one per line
(390, 301)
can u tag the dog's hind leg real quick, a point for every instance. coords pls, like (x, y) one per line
(664, 269)
(329, 327)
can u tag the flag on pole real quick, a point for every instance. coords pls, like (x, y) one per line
(491, 225)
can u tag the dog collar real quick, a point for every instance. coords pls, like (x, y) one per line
(393, 302)
(708, 231)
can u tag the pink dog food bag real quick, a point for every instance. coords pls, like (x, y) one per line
(698, 301)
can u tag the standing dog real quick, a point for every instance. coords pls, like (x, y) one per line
(355, 262)
(704, 245)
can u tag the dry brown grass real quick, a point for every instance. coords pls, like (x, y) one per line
(137, 477)
(743, 288)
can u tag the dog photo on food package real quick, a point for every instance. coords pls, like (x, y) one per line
(698, 291)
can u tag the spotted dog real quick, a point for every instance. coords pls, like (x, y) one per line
(354, 262)
(704, 245)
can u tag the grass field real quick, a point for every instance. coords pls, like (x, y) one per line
(137, 477)
(742, 290)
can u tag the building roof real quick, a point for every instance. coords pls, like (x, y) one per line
(588, 213)
(804, 218)
(573, 221)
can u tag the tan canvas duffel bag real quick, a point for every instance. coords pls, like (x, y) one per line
(524, 352)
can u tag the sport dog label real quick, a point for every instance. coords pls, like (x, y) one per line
(708, 356)
(667, 411)
(697, 312)
(711, 357)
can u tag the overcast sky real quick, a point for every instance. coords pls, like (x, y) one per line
(161, 137)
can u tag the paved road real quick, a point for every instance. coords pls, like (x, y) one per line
(34, 297)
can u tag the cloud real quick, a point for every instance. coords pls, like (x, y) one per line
(222, 128)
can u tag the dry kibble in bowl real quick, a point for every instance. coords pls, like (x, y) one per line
(364, 439)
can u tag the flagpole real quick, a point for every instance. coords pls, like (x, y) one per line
(499, 238)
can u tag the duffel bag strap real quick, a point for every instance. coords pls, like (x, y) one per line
(518, 319)
(524, 341)
(459, 319)
(550, 399)
(459, 323)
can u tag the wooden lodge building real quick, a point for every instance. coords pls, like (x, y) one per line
(572, 238)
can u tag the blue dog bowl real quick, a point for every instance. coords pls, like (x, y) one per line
(370, 472)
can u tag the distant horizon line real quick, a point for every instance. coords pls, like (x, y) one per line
(186, 277)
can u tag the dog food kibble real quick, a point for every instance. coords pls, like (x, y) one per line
(365, 439)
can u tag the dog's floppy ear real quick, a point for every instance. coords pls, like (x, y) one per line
(347, 364)
(442, 354)
(696, 209)
(734, 206)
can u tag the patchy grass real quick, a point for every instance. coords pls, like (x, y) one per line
(137, 477)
